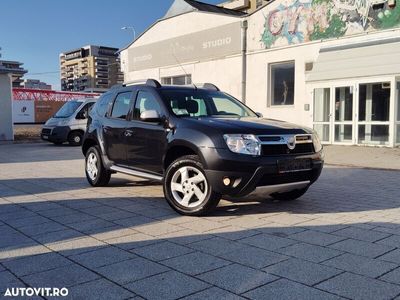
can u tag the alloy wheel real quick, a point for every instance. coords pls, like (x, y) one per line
(91, 166)
(189, 186)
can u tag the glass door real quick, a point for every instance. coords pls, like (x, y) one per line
(374, 113)
(322, 113)
(343, 108)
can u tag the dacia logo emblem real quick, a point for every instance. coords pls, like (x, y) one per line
(291, 142)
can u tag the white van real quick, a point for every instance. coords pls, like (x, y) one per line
(69, 123)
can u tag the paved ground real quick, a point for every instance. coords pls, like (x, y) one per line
(366, 157)
(341, 240)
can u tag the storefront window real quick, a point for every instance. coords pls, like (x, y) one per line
(282, 79)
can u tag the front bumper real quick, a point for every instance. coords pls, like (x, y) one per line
(247, 173)
(57, 134)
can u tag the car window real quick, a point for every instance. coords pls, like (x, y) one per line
(121, 105)
(205, 103)
(145, 101)
(103, 104)
(225, 106)
(86, 109)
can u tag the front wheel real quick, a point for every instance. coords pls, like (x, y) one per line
(289, 196)
(96, 174)
(187, 189)
(75, 138)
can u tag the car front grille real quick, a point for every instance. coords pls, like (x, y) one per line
(46, 131)
(271, 150)
(275, 145)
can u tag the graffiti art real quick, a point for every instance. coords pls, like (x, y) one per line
(299, 21)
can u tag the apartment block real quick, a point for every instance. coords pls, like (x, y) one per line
(90, 68)
(36, 84)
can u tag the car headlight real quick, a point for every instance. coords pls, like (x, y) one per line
(317, 142)
(243, 144)
(63, 122)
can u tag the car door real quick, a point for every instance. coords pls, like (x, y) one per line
(146, 141)
(115, 126)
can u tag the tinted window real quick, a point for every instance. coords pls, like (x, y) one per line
(103, 104)
(145, 101)
(121, 105)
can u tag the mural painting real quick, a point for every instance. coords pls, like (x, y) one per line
(299, 21)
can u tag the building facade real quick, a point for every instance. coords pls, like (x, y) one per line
(35, 84)
(15, 69)
(330, 65)
(90, 68)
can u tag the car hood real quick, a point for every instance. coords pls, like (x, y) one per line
(253, 126)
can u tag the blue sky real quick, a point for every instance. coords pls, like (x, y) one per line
(35, 32)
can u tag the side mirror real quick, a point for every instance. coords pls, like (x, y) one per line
(150, 116)
(260, 115)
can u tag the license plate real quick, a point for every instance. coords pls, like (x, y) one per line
(294, 165)
(45, 137)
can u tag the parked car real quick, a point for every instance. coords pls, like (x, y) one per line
(200, 143)
(69, 123)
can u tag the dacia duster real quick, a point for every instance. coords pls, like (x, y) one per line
(200, 142)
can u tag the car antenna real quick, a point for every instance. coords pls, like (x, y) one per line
(183, 69)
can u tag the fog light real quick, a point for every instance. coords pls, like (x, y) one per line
(227, 181)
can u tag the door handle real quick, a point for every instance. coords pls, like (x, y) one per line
(128, 133)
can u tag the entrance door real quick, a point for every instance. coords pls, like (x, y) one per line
(343, 112)
(374, 113)
(334, 114)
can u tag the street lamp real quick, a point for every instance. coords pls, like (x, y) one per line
(130, 28)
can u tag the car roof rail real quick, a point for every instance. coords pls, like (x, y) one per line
(149, 82)
(207, 86)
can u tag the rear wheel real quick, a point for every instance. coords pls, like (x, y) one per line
(289, 196)
(96, 174)
(75, 138)
(187, 189)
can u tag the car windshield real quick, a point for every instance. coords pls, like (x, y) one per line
(204, 103)
(68, 109)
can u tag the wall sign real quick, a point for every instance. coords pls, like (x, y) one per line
(207, 44)
(23, 111)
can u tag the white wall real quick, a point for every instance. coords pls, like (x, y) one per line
(6, 122)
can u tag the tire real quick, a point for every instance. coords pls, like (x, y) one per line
(200, 198)
(75, 138)
(289, 196)
(96, 174)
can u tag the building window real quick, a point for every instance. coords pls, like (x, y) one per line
(177, 80)
(282, 83)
